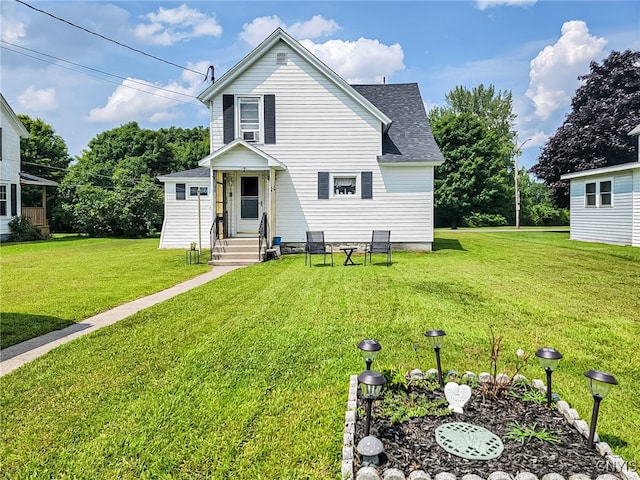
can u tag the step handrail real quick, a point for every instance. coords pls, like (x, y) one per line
(213, 237)
(263, 234)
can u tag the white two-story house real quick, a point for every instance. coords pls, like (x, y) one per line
(292, 140)
(11, 130)
(605, 203)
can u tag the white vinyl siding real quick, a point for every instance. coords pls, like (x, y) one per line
(320, 128)
(604, 223)
(180, 226)
(9, 167)
(635, 236)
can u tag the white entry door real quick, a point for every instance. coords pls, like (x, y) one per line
(249, 206)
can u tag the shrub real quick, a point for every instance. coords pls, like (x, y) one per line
(23, 231)
(485, 220)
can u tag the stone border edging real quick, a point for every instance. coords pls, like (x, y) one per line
(570, 414)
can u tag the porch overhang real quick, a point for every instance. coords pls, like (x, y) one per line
(241, 156)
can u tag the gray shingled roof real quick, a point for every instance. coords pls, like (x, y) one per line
(200, 172)
(409, 139)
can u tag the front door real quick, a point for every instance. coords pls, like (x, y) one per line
(250, 205)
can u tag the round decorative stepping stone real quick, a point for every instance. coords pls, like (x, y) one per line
(469, 441)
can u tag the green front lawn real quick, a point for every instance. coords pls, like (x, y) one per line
(246, 377)
(52, 284)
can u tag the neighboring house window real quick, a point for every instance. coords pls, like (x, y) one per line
(193, 191)
(249, 118)
(599, 194)
(590, 195)
(3, 200)
(605, 193)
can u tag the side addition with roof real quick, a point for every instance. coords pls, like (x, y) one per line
(605, 203)
(292, 140)
(11, 130)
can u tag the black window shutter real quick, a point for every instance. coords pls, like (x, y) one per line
(269, 119)
(0, 143)
(228, 118)
(366, 181)
(14, 199)
(180, 191)
(323, 185)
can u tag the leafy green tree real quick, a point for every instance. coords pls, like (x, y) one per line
(112, 191)
(494, 108)
(474, 181)
(605, 108)
(188, 145)
(536, 206)
(45, 155)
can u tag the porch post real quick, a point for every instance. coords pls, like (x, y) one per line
(44, 205)
(272, 203)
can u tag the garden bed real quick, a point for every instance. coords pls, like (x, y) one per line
(410, 443)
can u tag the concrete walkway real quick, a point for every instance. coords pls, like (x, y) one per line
(17, 355)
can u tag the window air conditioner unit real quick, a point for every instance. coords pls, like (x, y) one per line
(250, 136)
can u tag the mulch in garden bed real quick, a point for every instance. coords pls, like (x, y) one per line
(411, 445)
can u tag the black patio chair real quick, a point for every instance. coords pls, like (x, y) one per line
(317, 246)
(380, 243)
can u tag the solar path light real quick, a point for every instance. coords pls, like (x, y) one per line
(436, 338)
(549, 359)
(371, 386)
(369, 349)
(599, 385)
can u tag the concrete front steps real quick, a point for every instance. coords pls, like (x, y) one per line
(236, 251)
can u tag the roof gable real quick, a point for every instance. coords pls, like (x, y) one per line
(13, 118)
(238, 144)
(280, 35)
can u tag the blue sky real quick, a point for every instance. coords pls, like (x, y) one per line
(535, 49)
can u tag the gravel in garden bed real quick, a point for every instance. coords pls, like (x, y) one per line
(412, 445)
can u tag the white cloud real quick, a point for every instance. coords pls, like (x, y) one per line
(554, 71)
(130, 102)
(484, 4)
(12, 32)
(260, 28)
(172, 25)
(38, 100)
(362, 61)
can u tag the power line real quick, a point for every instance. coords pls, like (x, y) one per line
(90, 68)
(105, 79)
(111, 40)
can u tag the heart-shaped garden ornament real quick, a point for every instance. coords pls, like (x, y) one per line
(457, 396)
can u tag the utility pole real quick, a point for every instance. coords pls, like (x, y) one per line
(516, 175)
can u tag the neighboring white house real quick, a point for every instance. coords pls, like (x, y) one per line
(605, 203)
(291, 139)
(11, 130)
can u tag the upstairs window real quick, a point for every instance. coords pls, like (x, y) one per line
(249, 118)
